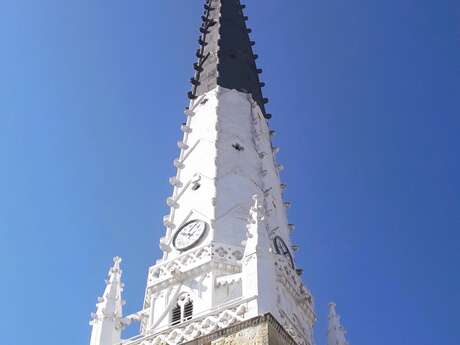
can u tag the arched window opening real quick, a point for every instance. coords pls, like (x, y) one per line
(183, 311)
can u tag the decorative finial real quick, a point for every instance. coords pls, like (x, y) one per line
(256, 216)
(116, 262)
(336, 333)
(257, 210)
(107, 320)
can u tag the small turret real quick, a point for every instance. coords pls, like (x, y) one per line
(335, 333)
(107, 321)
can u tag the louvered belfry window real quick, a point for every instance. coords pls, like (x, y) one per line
(182, 311)
(176, 315)
(188, 310)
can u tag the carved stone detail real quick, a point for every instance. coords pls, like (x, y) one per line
(195, 328)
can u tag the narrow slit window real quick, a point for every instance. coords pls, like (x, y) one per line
(238, 147)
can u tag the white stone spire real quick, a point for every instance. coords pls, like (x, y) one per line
(107, 321)
(336, 333)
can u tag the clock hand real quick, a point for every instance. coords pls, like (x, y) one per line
(194, 228)
(191, 233)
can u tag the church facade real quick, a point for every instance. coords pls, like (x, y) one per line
(227, 274)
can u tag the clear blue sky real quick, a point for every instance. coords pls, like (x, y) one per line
(365, 98)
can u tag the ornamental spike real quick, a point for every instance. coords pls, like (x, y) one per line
(106, 321)
(335, 333)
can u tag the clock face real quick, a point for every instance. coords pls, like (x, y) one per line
(189, 234)
(282, 249)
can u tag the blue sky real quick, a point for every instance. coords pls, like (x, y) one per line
(365, 97)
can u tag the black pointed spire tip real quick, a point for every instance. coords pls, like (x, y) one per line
(225, 57)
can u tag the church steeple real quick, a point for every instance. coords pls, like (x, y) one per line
(228, 259)
(225, 55)
(219, 268)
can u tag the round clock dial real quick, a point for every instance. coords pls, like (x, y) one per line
(282, 249)
(189, 234)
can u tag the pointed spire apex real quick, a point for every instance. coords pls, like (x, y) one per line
(116, 264)
(336, 333)
(225, 56)
(114, 286)
(107, 321)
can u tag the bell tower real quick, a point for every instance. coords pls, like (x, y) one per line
(228, 268)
